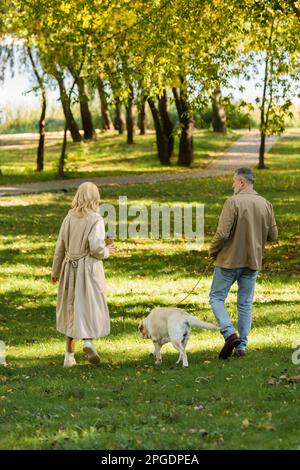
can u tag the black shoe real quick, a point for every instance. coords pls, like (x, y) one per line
(239, 353)
(231, 342)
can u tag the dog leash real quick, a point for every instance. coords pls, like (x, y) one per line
(192, 290)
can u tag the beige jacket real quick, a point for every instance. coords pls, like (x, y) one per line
(81, 308)
(247, 221)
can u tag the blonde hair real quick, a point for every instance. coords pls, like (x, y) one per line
(86, 199)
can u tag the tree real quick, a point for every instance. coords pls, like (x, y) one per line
(161, 137)
(65, 98)
(192, 56)
(146, 47)
(61, 164)
(86, 116)
(166, 121)
(142, 117)
(185, 156)
(218, 112)
(42, 121)
(129, 115)
(106, 120)
(272, 40)
(118, 121)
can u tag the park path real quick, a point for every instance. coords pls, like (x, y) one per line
(244, 152)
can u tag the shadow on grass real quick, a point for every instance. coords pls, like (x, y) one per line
(25, 325)
(140, 263)
(141, 358)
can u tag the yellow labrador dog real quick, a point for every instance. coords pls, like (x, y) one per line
(170, 324)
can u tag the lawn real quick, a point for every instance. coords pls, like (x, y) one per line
(128, 402)
(108, 155)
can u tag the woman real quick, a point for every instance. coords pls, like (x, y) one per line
(81, 309)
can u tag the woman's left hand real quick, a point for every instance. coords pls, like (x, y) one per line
(109, 241)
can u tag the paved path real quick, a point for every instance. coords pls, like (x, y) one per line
(244, 152)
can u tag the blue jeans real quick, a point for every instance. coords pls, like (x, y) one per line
(222, 281)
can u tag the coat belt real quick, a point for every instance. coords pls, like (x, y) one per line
(72, 260)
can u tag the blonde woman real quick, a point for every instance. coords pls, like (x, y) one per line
(81, 309)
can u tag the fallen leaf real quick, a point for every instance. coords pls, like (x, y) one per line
(245, 424)
(193, 430)
(201, 379)
(199, 407)
(268, 427)
(283, 379)
(294, 379)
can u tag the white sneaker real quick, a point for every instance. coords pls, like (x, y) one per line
(91, 353)
(69, 361)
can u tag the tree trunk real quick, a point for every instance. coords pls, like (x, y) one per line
(42, 129)
(261, 164)
(218, 112)
(71, 123)
(42, 122)
(86, 116)
(185, 156)
(129, 118)
(142, 119)
(186, 150)
(61, 165)
(106, 120)
(118, 121)
(264, 112)
(161, 137)
(167, 123)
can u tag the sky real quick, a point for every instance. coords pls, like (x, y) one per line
(14, 92)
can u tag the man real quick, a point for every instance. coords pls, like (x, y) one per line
(246, 223)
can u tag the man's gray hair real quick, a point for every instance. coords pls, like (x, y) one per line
(245, 173)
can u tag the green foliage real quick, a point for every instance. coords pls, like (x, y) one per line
(237, 117)
(274, 29)
(149, 45)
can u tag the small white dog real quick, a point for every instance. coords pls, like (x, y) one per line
(170, 324)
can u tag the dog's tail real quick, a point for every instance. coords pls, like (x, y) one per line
(193, 321)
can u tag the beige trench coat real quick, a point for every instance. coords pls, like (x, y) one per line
(81, 308)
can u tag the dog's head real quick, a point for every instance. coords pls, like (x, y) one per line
(143, 329)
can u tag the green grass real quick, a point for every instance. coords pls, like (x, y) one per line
(128, 402)
(108, 155)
